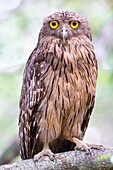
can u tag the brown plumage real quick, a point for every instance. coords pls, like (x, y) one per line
(58, 91)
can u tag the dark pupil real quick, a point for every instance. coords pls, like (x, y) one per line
(53, 23)
(74, 23)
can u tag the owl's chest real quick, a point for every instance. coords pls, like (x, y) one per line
(63, 82)
(67, 84)
(65, 91)
(65, 70)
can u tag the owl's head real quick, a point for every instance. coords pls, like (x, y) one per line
(64, 25)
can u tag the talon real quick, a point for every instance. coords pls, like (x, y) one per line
(88, 151)
(52, 157)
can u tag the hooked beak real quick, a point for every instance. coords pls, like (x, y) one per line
(64, 33)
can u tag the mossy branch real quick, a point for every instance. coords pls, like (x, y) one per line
(73, 160)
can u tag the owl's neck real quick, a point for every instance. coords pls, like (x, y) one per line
(66, 54)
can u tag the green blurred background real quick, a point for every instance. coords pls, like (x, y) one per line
(20, 22)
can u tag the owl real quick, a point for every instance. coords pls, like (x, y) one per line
(58, 91)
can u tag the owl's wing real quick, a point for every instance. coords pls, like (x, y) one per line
(32, 94)
(93, 67)
(87, 115)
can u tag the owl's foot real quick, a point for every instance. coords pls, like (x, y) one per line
(94, 146)
(80, 145)
(45, 152)
(83, 147)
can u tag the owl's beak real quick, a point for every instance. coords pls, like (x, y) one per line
(64, 33)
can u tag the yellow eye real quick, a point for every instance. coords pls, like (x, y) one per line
(53, 24)
(74, 24)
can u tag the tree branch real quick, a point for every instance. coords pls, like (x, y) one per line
(73, 160)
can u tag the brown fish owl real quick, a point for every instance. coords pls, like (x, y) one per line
(58, 91)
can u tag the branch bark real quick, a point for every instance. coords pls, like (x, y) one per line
(73, 160)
